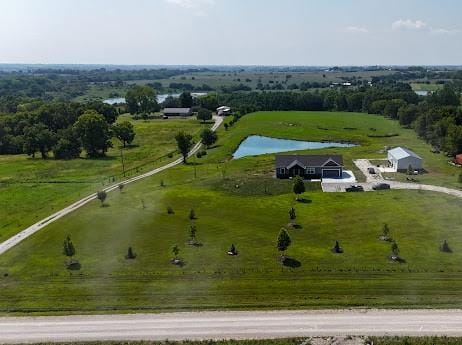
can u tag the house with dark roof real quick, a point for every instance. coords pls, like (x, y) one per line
(177, 112)
(309, 166)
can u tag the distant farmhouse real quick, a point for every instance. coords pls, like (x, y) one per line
(177, 111)
(400, 159)
(223, 110)
(309, 166)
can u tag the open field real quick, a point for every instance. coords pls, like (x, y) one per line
(238, 201)
(31, 189)
(426, 87)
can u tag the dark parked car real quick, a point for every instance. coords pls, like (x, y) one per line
(355, 188)
(371, 170)
(381, 186)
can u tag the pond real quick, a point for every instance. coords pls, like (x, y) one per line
(258, 145)
(160, 98)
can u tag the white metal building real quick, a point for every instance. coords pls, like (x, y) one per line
(400, 158)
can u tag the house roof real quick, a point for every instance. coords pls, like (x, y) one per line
(283, 161)
(177, 110)
(401, 152)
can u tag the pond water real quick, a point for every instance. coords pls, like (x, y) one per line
(160, 98)
(258, 145)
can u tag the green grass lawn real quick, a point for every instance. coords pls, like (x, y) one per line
(426, 87)
(238, 201)
(31, 189)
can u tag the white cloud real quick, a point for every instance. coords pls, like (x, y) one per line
(198, 7)
(408, 24)
(356, 29)
(443, 31)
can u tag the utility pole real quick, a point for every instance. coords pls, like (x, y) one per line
(123, 162)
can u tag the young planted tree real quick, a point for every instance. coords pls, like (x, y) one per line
(192, 234)
(292, 214)
(445, 247)
(283, 242)
(385, 233)
(336, 249)
(226, 126)
(68, 247)
(175, 251)
(232, 251)
(192, 214)
(101, 196)
(184, 143)
(298, 187)
(208, 137)
(394, 248)
(130, 254)
(121, 186)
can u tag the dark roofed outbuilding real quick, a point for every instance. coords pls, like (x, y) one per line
(177, 111)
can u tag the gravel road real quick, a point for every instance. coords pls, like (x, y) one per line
(231, 324)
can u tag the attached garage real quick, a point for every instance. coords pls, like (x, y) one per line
(330, 173)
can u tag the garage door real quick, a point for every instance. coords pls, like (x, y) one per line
(329, 173)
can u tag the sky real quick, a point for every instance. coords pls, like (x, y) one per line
(232, 32)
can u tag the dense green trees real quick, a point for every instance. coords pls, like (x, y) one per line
(124, 132)
(94, 134)
(186, 100)
(204, 114)
(141, 100)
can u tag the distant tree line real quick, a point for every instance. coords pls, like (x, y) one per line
(436, 118)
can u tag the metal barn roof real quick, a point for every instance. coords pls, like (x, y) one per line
(401, 152)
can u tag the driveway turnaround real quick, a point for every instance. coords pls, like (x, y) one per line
(227, 325)
(14, 240)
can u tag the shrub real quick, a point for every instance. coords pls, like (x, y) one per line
(192, 214)
(199, 154)
(130, 254)
(101, 196)
(445, 247)
(170, 210)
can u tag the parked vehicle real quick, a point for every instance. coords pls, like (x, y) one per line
(371, 171)
(381, 186)
(354, 188)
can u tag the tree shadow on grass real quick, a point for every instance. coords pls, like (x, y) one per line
(291, 262)
(304, 201)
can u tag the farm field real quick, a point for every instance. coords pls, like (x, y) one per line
(239, 202)
(31, 189)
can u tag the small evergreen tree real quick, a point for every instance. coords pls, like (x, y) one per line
(337, 249)
(226, 126)
(68, 247)
(283, 241)
(233, 250)
(121, 186)
(130, 254)
(192, 233)
(175, 251)
(445, 247)
(292, 214)
(298, 187)
(192, 214)
(395, 248)
(101, 196)
(170, 210)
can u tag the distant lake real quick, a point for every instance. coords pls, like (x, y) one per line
(258, 145)
(160, 98)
